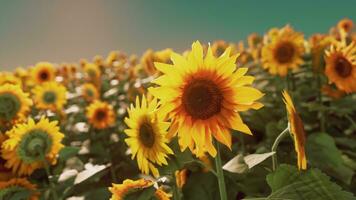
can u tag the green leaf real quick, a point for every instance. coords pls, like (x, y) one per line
(289, 183)
(68, 152)
(323, 153)
(201, 186)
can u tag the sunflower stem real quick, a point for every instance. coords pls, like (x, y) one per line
(220, 173)
(321, 113)
(51, 184)
(275, 146)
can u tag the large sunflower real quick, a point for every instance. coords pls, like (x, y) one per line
(50, 95)
(341, 66)
(100, 114)
(297, 130)
(89, 92)
(43, 72)
(8, 189)
(284, 52)
(119, 191)
(202, 96)
(147, 136)
(29, 142)
(14, 103)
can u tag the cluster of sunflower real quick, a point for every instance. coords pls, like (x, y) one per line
(209, 123)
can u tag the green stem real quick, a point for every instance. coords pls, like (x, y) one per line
(220, 173)
(275, 146)
(321, 113)
(51, 184)
(351, 120)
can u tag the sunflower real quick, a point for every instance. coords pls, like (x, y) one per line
(8, 189)
(147, 135)
(150, 56)
(9, 78)
(160, 194)
(319, 43)
(119, 191)
(297, 130)
(202, 96)
(92, 71)
(341, 66)
(43, 72)
(345, 25)
(29, 143)
(220, 46)
(100, 114)
(284, 52)
(5, 173)
(14, 103)
(89, 92)
(50, 95)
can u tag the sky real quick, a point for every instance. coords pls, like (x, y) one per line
(66, 30)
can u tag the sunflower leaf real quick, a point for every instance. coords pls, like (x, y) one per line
(323, 153)
(289, 183)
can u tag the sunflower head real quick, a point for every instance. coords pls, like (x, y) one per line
(100, 114)
(9, 78)
(43, 72)
(119, 191)
(220, 46)
(92, 71)
(8, 189)
(297, 130)
(283, 52)
(341, 66)
(29, 143)
(150, 56)
(112, 57)
(50, 95)
(14, 103)
(89, 92)
(345, 25)
(147, 135)
(202, 96)
(319, 43)
(98, 60)
(254, 40)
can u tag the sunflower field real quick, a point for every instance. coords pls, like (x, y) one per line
(272, 117)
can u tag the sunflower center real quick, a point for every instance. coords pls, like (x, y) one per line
(34, 145)
(343, 67)
(100, 115)
(285, 52)
(49, 97)
(91, 73)
(146, 134)
(202, 98)
(44, 76)
(90, 93)
(9, 106)
(12, 193)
